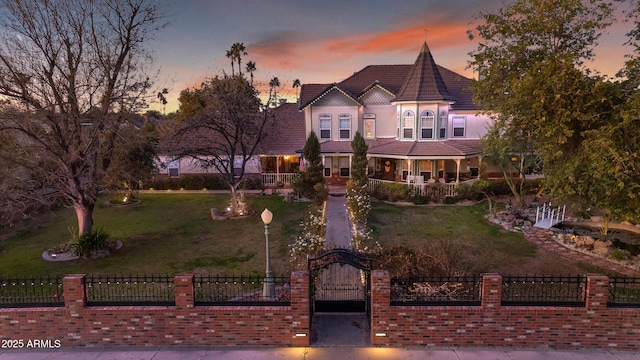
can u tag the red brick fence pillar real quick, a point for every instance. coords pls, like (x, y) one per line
(491, 293)
(184, 291)
(300, 310)
(380, 304)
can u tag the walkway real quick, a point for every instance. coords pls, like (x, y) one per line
(543, 238)
(346, 353)
(338, 230)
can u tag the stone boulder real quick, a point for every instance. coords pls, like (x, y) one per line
(602, 247)
(216, 214)
(585, 241)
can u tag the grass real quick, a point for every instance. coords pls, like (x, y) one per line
(173, 233)
(485, 247)
(165, 234)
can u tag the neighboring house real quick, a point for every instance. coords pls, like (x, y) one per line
(419, 121)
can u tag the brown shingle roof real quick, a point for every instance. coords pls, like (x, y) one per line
(285, 134)
(422, 81)
(408, 148)
(288, 135)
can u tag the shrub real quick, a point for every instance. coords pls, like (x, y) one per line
(311, 239)
(449, 200)
(419, 200)
(619, 254)
(392, 191)
(90, 242)
(201, 181)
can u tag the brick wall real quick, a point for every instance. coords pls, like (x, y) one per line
(183, 324)
(489, 325)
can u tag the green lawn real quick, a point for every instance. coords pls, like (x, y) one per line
(165, 234)
(173, 233)
(484, 247)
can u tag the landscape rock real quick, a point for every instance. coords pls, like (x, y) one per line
(626, 223)
(585, 241)
(216, 214)
(596, 218)
(602, 247)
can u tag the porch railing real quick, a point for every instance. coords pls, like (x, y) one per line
(435, 189)
(275, 178)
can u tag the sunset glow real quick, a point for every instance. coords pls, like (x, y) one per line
(324, 43)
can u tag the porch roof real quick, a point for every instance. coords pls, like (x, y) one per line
(416, 149)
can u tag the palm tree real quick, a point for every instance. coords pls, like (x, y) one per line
(238, 50)
(231, 55)
(163, 100)
(273, 84)
(251, 67)
(296, 85)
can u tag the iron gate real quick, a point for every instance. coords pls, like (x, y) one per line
(340, 282)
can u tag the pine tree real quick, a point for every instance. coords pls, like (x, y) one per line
(359, 161)
(313, 173)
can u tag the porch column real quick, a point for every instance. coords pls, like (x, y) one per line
(350, 158)
(277, 168)
(409, 161)
(457, 170)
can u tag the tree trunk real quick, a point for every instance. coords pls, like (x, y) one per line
(84, 213)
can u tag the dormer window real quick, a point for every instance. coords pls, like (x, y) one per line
(427, 120)
(345, 126)
(325, 126)
(408, 121)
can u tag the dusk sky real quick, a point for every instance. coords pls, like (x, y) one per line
(324, 41)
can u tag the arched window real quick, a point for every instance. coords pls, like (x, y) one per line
(427, 120)
(408, 121)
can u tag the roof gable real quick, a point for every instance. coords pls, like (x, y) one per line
(424, 81)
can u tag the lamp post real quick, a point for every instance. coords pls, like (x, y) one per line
(269, 290)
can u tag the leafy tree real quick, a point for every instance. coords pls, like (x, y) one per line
(221, 126)
(512, 151)
(73, 72)
(359, 162)
(533, 81)
(134, 161)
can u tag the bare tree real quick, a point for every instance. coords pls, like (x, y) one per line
(72, 71)
(222, 125)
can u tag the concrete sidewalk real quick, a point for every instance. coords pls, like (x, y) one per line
(333, 353)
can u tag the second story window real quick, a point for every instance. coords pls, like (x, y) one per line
(443, 125)
(369, 126)
(427, 120)
(459, 123)
(325, 126)
(408, 120)
(345, 126)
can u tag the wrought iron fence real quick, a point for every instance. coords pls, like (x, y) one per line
(114, 290)
(240, 290)
(436, 290)
(543, 290)
(624, 292)
(31, 292)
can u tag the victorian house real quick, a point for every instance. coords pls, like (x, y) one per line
(419, 121)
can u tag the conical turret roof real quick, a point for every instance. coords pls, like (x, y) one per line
(424, 81)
